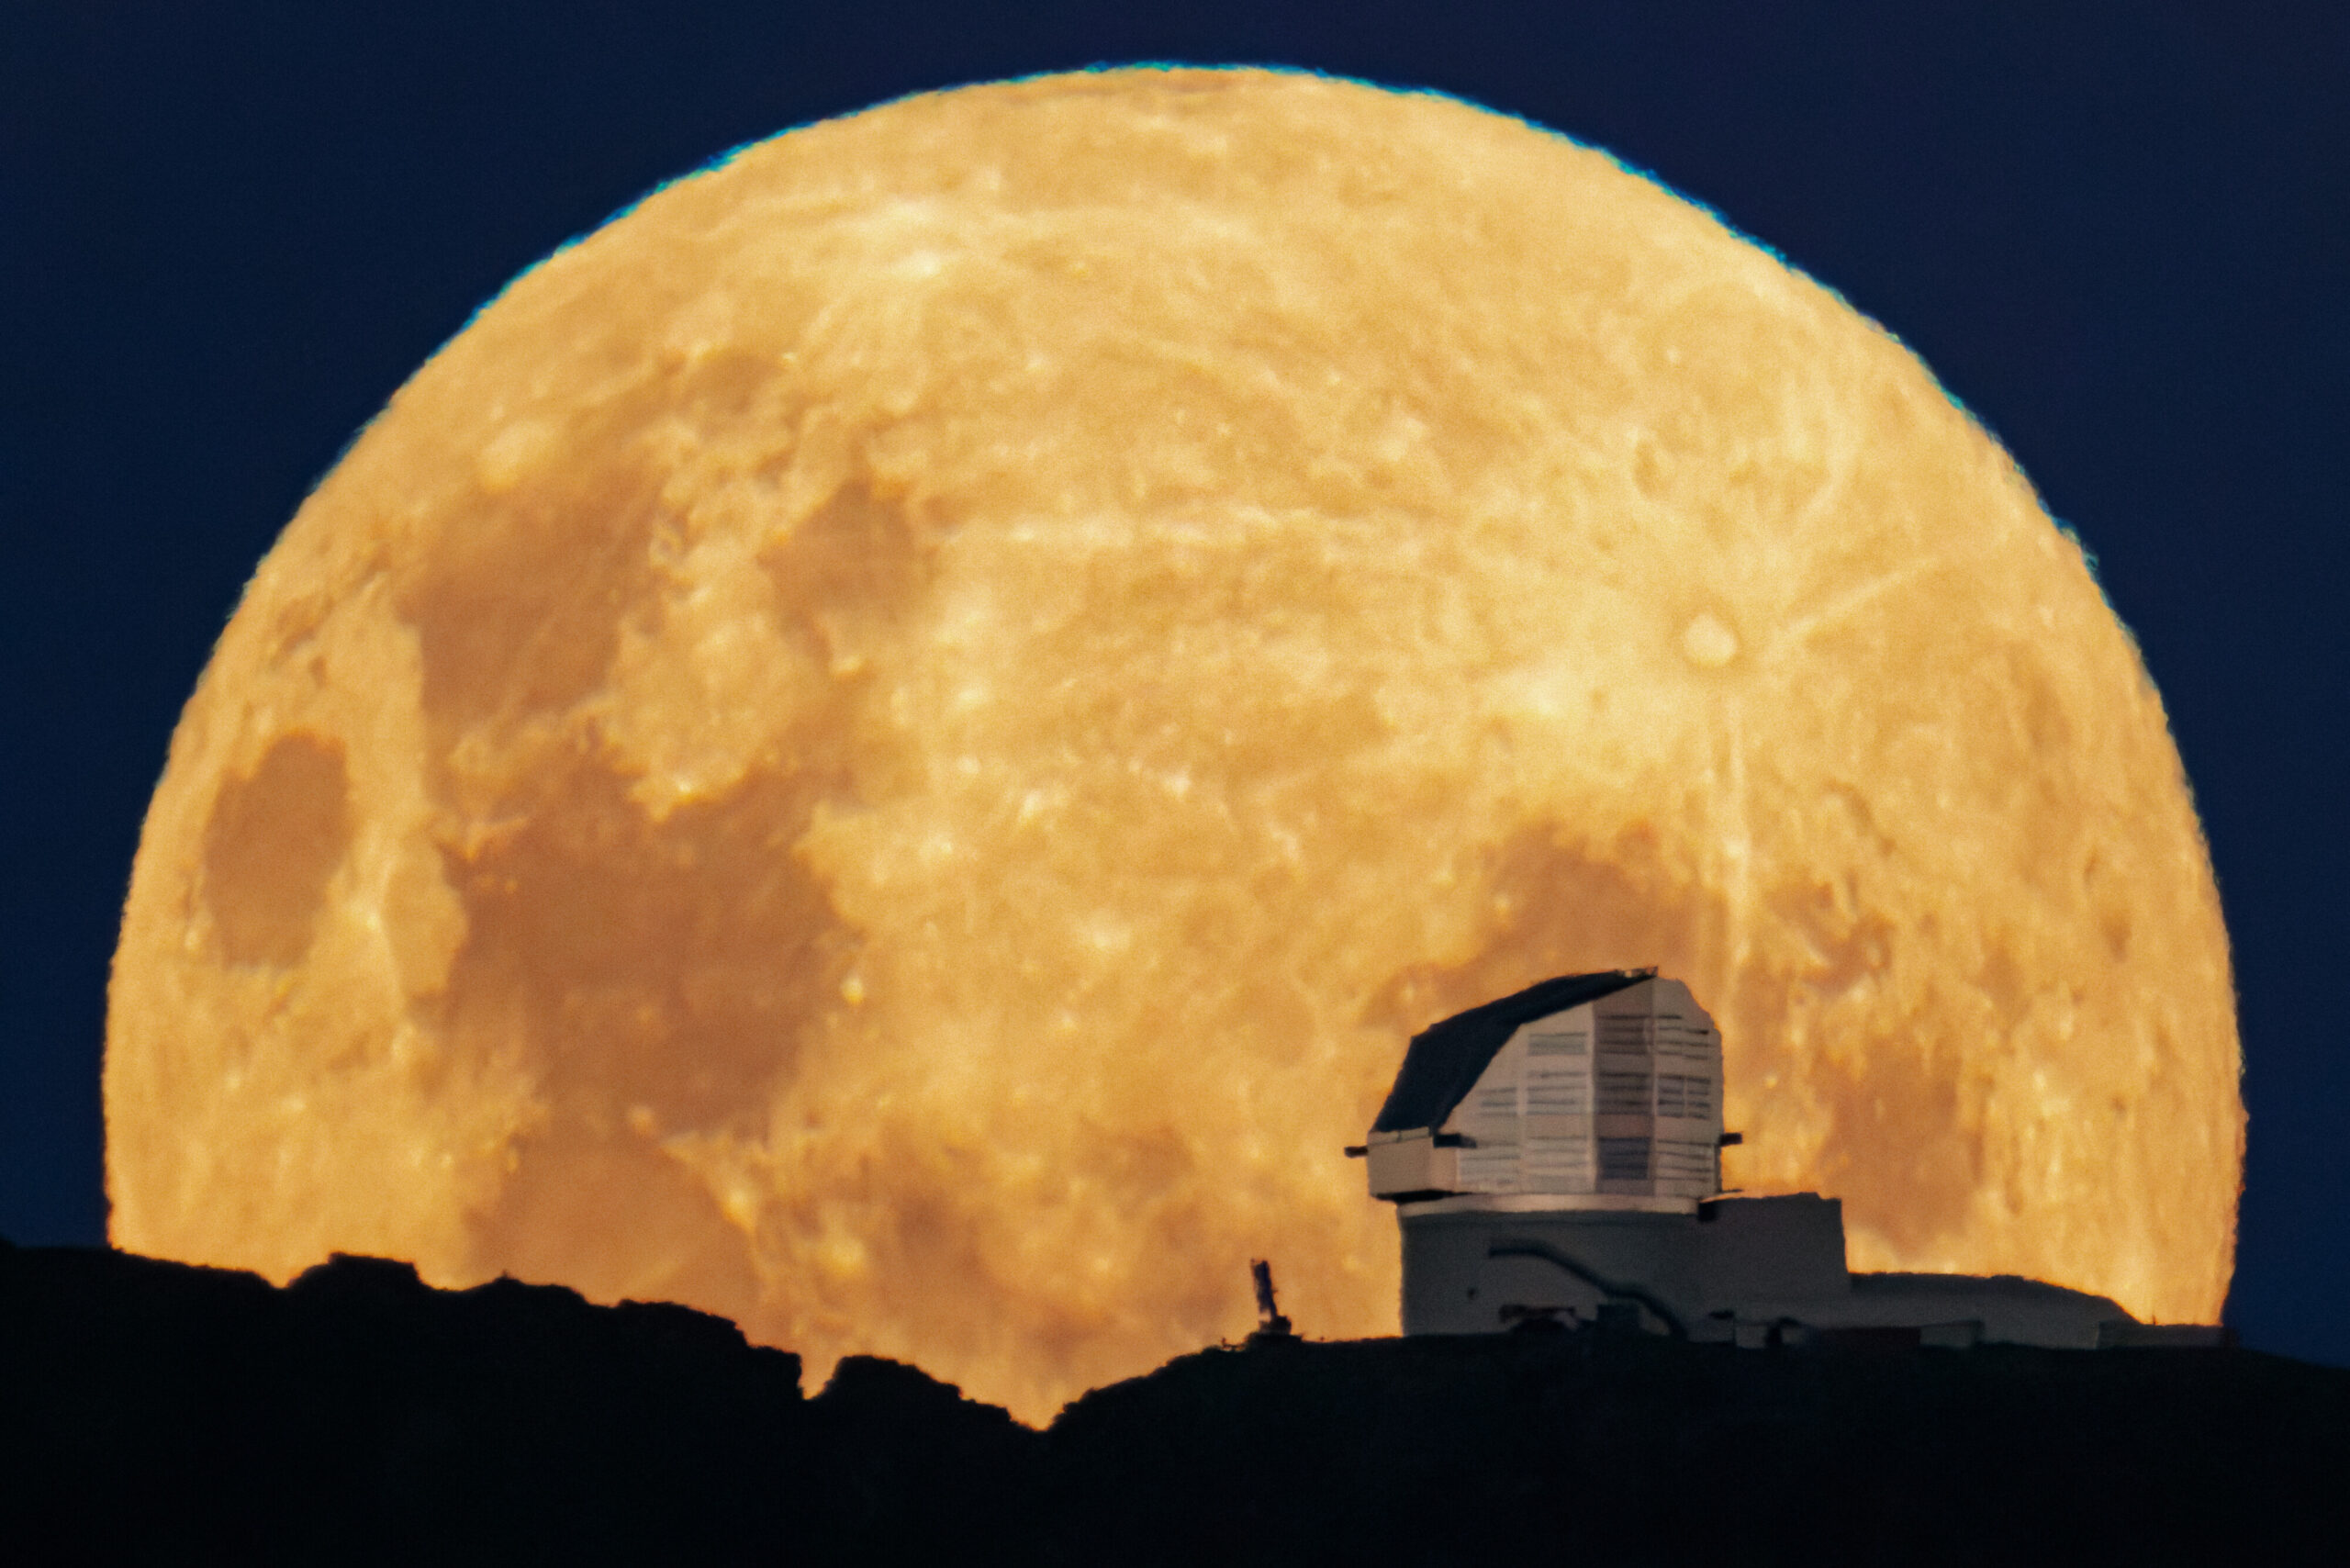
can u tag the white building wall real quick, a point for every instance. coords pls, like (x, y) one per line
(1756, 1264)
(1451, 1285)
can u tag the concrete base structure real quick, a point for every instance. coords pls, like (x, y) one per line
(1754, 1270)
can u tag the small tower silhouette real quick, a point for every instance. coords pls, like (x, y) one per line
(1271, 1326)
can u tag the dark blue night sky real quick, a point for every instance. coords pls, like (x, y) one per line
(2121, 235)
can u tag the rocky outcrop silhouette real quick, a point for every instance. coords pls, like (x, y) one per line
(152, 1411)
(1592, 1447)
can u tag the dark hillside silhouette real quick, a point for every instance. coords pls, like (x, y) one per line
(154, 1412)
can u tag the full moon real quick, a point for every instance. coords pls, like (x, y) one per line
(893, 743)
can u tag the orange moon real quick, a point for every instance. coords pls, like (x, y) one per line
(892, 744)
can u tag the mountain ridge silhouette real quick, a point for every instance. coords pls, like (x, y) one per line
(151, 1410)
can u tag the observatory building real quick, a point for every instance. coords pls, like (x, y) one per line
(1555, 1156)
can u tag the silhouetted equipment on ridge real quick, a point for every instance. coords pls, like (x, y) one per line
(1270, 1324)
(1556, 1154)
